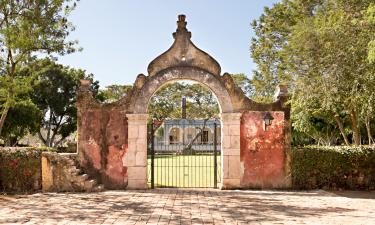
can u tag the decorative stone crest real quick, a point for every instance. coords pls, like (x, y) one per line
(184, 53)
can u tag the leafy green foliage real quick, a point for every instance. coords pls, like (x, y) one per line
(23, 118)
(244, 83)
(320, 48)
(371, 19)
(28, 27)
(113, 93)
(166, 102)
(54, 92)
(333, 167)
(20, 170)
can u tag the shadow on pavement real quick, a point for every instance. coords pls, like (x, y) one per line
(355, 194)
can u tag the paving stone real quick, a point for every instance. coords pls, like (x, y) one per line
(176, 206)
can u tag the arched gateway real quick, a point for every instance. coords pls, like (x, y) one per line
(112, 138)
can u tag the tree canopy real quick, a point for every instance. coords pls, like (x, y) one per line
(54, 93)
(26, 28)
(200, 102)
(321, 49)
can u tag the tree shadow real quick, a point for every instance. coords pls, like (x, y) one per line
(183, 205)
(355, 194)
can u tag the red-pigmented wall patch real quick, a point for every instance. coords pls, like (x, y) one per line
(91, 123)
(262, 151)
(117, 142)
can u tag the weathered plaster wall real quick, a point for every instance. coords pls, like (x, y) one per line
(90, 141)
(102, 140)
(116, 144)
(262, 151)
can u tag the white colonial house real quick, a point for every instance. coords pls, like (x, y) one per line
(176, 134)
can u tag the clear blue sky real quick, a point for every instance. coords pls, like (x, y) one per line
(120, 38)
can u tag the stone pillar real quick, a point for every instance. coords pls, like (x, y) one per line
(47, 173)
(230, 142)
(136, 158)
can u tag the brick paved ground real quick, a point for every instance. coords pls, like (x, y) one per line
(164, 206)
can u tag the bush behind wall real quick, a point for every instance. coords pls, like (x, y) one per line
(20, 169)
(338, 167)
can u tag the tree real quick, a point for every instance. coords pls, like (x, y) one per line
(166, 102)
(371, 19)
(268, 46)
(23, 118)
(329, 55)
(113, 93)
(28, 27)
(321, 49)
(244, 83)
(54, 92)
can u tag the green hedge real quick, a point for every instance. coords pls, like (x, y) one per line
(338, 167)
(20, 169)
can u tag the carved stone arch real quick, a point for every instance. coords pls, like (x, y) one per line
(168, 75)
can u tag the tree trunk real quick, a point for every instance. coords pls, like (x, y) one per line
(341, 128)
(42, 138)
(188, 146)
(368, 129)
(48, 137)
(355, 127)
(58, 142)
(3, 117)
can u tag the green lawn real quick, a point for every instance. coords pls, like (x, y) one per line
(184, 170)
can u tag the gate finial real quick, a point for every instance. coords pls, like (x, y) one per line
(181, 27)
(181, 23)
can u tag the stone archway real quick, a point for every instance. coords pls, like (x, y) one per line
(183, 73)
(230, 122)
(112, 138)
(184, 61)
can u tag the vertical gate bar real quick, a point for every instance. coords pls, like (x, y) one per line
(215, 156)
(200, 161)
(152, 154)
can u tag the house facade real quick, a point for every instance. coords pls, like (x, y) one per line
(176, 134)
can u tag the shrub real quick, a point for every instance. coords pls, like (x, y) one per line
(339, 167)
(20, 169)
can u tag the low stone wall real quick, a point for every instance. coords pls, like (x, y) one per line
(28, 170)
(20, 170)
(56, 173)
(60, 174)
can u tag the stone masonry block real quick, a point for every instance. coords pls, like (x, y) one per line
(226, 141)
(234, 167)
(47, 175)
(141, 159)
(137, 184)
(137, 173)
(230, 151)
(234, 130)
(137, 117)
(132, 131)
(224, 129)
(142, 131)
(225, 167)
(228, 117)
(129, 159)
(235, 142)
(230, 184)
(132, 144)
(141, 145)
